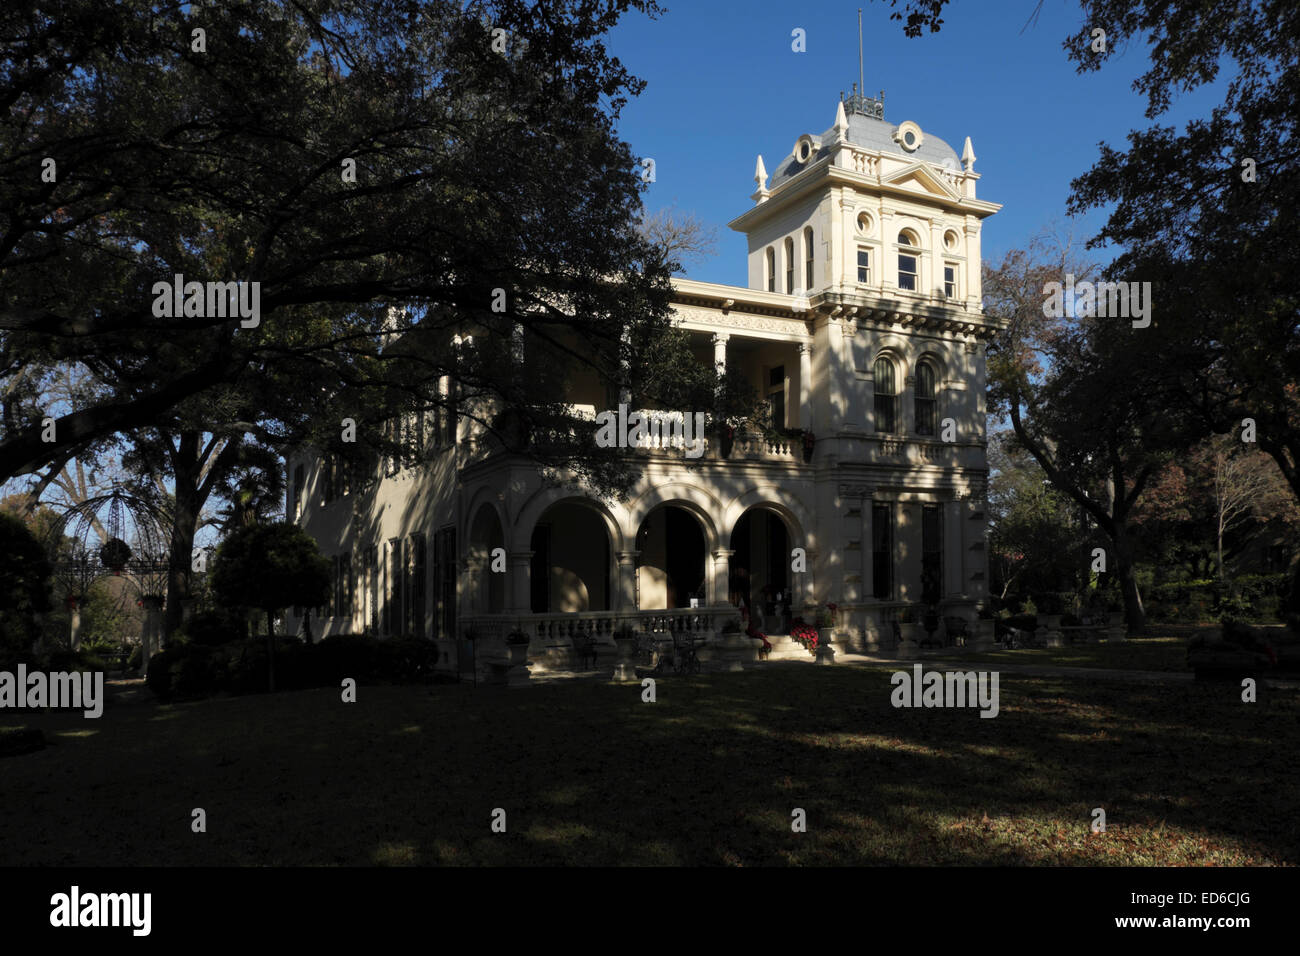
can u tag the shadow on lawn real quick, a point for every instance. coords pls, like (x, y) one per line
(709, 774)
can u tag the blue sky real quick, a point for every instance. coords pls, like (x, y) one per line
(724, 86)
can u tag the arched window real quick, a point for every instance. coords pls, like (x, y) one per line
(926, 404)
(789, 266)
(907, 260)
(886, 396)
(771, 269)
(808, 259)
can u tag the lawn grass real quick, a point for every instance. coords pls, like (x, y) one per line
(1152, 652)
(708, 774)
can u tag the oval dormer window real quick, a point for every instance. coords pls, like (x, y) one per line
(804, 149)
(909, 136)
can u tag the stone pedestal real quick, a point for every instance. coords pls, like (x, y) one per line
(734, 649)
(74, 633)
(1049, 637)
(908, 646)
(984, 635)
(624, 670)
(517, 673)
(825, 645)
(1117, 635)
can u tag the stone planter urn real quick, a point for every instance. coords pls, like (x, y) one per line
(825, 650)
(908, 645)
(1049, 630)
(517, 673)
(624, 670)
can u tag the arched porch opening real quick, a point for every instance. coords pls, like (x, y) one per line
(671, 559)
(487, 589)
(571, 568)
(761, 578)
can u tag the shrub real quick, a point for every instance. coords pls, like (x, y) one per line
(159, 676)
(24, 589)
(214, 628)
(345, 655)
(194, 670)
(240, 667)
(405, 660)
(1049, 603)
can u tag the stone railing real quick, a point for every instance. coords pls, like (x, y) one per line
(761, 447)
(866, 163)
(601, 625)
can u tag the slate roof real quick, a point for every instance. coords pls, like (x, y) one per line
(872, 134)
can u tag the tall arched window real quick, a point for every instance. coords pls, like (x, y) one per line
(789, 266)
(926, 410)
(808, 259)
(886, 395)
(907, 260)
(771, 269)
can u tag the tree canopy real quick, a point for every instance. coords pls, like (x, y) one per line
(390, 172)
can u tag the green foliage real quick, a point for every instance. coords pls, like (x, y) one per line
(414, 94)
(25, 573)
(213, 628)
(270, 567)
(188, 671)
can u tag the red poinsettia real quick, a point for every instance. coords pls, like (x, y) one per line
(759, 636)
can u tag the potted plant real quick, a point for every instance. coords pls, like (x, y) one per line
(726, 438)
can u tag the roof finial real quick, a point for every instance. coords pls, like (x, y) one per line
(760, 173)
(968, 157)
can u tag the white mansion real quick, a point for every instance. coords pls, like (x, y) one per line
(861, 324)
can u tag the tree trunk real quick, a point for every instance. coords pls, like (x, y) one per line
(1134, 614)
(186, 470)
(270, 651)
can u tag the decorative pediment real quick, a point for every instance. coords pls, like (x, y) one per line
(920, 178)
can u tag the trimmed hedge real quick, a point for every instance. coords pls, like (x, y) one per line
(189, 671)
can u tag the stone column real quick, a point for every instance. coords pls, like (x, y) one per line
(721, 578)
(74, 631)
(720, 350)
(518, 584)
(848, 248)
(150, 630)
(953, 551)
(805, 386)
(888, 270)
(627, 581)
(936, 259)
(974, 284)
